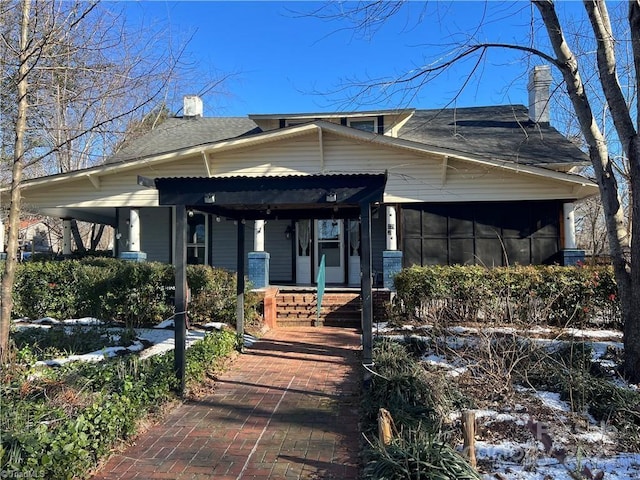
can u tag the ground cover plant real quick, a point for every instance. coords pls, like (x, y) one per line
(57, 423)
(548, 397)
(82, 372)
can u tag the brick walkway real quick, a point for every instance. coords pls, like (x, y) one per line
(286, 409)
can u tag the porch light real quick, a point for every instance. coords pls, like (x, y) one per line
(288, 232)
(331, 197)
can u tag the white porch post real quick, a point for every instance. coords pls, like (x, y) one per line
(133, 253)
(259, 259)
(258, 236)
(391, 257)
(570, 253)
(392, 239)
(134, 230)
(66, 236)
(568, 210)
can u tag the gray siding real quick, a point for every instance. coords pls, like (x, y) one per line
(378, 242)
(224, 252)
(280, 250)
(156, 233)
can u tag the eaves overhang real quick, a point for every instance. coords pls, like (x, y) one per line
(93, 174)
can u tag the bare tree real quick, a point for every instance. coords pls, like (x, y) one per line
(602, 149)
(26, 56)
(79, 78)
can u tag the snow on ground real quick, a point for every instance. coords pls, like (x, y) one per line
(149, 341)
(591, 448)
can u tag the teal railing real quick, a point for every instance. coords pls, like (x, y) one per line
(320, 280)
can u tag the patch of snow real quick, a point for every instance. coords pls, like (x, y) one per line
(83, 321)
(164, 340)
(438, 361)
(46, 321)
(168, 323)
(97, 356)
(580, 333)
(461, 330)
(215, 325)
(552, 400)
(249, 340)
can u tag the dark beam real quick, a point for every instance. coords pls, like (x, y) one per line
(240, 286)
(180, 306)
(365, 286)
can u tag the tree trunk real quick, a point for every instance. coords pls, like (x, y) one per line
(77, 238)
(96, 236)
(631, 309)
(8, 275)
(628, 281)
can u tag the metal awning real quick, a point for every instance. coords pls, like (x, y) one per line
(283, 197)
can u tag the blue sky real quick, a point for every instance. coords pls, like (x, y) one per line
(284, 61)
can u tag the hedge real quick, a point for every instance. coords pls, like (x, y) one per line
(135, 293)
(531, 294)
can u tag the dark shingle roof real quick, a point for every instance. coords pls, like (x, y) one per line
(498, 132)
(178, 133)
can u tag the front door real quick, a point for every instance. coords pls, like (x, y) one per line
(329, 241)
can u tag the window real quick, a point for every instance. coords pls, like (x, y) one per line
(196, 238)
(364, 124)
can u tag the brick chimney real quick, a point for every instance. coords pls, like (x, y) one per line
(192, 106)
(539, 85)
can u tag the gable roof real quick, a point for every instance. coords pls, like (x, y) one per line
(178, 133)
(504, 132)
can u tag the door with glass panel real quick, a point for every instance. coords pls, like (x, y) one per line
(329, 236)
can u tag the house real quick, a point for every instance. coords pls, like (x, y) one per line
(484, 185)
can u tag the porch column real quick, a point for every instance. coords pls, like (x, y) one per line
(180, 302)
(571, 255)
(367, 300)
(240, 286)
(133, 253)
(258, 259)
(66, 237)
(391, 257)
(392, 239)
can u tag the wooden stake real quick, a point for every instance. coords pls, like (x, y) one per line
(385, 426)
(469, 435)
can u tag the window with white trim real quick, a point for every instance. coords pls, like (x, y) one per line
(366, 124)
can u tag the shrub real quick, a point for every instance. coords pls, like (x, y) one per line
(558, 295)
(214, 296)
(130, 292)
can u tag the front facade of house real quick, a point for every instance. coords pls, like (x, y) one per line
(486, 185)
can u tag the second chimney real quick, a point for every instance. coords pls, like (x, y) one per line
(539, 85)
(192, 106)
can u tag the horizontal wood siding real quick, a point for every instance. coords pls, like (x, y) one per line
(419, 178)
(378, 240)
(412, 177)
(224, 250)
(114, 189)
(280, 251)
(299, 155)
(155, 233)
